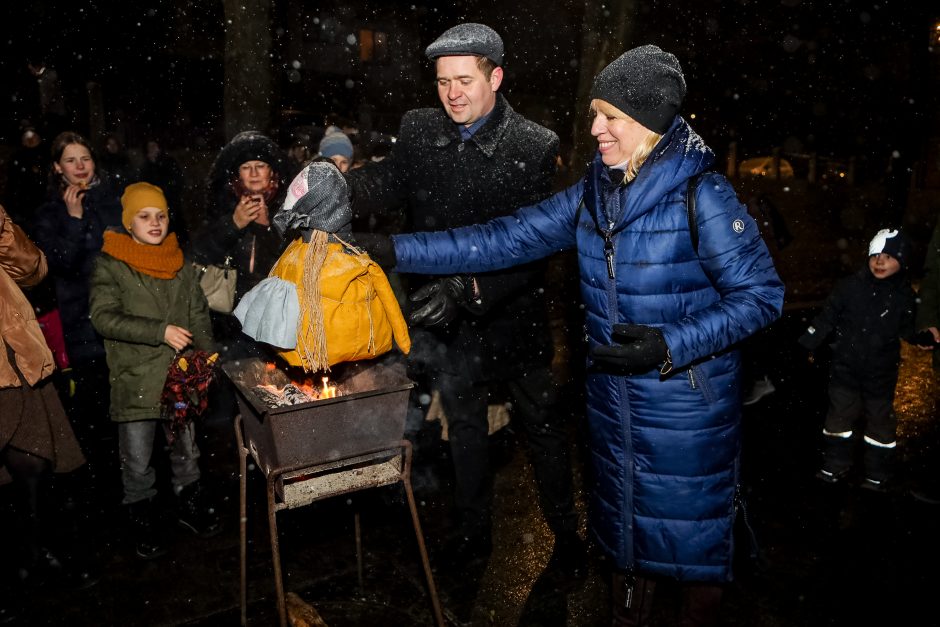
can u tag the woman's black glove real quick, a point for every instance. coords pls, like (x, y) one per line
(380, 247)
(444, 299)
(639, 348)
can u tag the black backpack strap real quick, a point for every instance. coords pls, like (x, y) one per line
(690, 191)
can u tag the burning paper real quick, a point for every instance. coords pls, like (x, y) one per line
(294, 392)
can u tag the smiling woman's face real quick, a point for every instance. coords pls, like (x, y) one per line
(618, 135)
(76, 165)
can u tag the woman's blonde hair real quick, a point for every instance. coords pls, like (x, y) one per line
(642, 152)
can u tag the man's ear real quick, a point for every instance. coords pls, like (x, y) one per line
(496, 78)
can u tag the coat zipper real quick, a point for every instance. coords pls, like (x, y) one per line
(609, 255)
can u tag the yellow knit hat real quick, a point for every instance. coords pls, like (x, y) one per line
(138, 196)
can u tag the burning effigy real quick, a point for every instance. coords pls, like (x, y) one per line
(325, 301)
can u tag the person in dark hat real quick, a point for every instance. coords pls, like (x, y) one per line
(926, 486)
(483, 336)
(246, 185)
(864, 319)
(666, 299)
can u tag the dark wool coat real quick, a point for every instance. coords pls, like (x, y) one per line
(665, 448)
(443, 183)
(864, 320)
(131, 310)
(219, 237)
(928, 311)
(71, 246)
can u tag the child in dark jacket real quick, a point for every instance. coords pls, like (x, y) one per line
(865, 317)
(147, 304)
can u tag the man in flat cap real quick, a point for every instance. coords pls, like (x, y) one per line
(484, 337)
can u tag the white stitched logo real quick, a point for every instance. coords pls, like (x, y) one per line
(738, 226)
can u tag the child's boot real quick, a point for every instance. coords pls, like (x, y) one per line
(878, 458)
(837, 456)
(196, 513)
(141, 517)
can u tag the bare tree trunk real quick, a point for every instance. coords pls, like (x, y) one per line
(248, 80)
(607, 32)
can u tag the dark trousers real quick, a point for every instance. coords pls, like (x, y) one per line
(701, 602)
(864, 410)
(88, 405)
(534, 399)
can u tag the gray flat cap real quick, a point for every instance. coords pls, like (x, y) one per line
(468, 38)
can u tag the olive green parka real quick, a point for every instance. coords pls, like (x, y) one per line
(131, 311)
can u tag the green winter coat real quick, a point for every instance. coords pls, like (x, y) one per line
(928, 309)
(131, 311)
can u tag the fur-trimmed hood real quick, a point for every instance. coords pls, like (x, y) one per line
(246, 146)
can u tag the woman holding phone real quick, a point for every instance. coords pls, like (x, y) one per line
(246, 186)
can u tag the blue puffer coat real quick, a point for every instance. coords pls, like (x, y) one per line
(665, 448)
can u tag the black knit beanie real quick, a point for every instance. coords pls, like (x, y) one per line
(891, 242)
(646, 84)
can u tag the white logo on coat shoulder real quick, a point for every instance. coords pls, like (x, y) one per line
(738, 226)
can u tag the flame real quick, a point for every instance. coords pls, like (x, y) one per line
(307, 386)
(329, 391)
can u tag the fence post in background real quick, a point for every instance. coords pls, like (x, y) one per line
(811, 172)
(95, 111)
(732, 167)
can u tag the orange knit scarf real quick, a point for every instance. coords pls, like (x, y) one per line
(161, 262)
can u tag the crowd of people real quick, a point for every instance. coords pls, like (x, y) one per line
(100, 280)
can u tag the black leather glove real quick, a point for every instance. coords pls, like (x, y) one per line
(639, 348)
(380, 247)
(444, 299)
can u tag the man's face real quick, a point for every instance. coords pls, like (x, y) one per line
(464, 91)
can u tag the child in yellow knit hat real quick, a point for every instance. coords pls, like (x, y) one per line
(148, 305)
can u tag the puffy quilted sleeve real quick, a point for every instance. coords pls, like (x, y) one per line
(737, 262)
(531, 233)
(19, 257)
(392, 310)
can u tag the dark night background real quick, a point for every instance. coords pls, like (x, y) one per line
(850, 85)
(839, 78)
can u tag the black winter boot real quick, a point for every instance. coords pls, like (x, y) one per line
(878, 466)
(141, 519)
(195, 512)
(837, 458)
